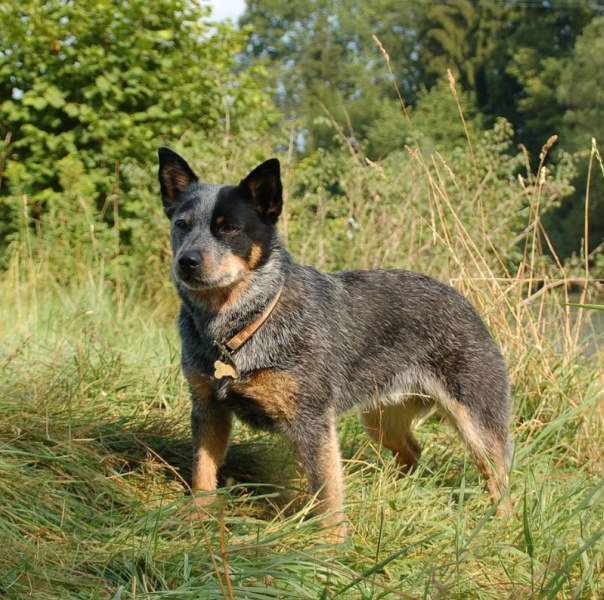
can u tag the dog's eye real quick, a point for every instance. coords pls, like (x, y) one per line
(182, 225)
(228, 229)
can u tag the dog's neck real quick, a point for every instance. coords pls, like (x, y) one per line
(221, 314)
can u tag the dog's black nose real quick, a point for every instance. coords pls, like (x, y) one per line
(190, 259)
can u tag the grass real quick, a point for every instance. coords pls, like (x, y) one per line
(95, 451)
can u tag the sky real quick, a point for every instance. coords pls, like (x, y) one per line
(222, 9)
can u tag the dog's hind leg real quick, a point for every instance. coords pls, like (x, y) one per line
(390, 426)
(489, 444)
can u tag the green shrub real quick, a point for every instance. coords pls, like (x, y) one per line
(90, 90)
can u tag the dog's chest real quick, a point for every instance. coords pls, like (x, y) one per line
(265, 399)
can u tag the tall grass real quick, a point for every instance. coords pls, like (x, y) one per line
(94, 437)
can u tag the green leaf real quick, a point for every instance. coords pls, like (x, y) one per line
(588, 306)
(103, 84)
(71, 109)
(37, 102)
(54, 96)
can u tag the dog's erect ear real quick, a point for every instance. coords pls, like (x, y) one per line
(263, 185)
(174, 176)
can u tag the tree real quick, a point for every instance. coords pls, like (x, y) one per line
(581, 91)
(506, 55)
(323, 55)
(94, 87)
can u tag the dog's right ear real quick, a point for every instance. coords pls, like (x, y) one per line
(174, 176)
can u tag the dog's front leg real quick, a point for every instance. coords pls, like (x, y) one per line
(320, 454)
(211, 425)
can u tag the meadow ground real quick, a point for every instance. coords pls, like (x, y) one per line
(95, 452)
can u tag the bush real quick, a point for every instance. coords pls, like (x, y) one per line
(93, 88)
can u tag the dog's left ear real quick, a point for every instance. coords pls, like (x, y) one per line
(263, 185)
(174, 176)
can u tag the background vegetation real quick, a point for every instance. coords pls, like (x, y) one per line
(460, 177)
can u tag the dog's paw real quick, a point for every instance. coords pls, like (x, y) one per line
(337, 534)
(336, 529)
(198, 508)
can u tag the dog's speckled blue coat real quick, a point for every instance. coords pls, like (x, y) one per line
(392, 342)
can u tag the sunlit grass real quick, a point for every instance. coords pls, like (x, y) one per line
(95, 450)
(94, 460)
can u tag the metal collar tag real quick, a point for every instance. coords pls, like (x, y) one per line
(228, 368)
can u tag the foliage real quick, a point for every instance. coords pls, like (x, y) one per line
(581, 82)
(582, 87)
(90, 89)
(345, 212)
(328, 65)
(499, 55)
(516, 60)
(323, 53)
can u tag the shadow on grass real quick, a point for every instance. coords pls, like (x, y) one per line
(157, 449)
(136, 444)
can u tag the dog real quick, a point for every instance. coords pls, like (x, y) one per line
(288, 348)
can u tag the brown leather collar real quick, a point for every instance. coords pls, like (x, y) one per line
(232, 345)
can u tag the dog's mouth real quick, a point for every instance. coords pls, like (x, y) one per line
(194, 282)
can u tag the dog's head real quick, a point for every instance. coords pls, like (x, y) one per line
(220, 233)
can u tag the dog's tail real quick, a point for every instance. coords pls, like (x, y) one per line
(509, 452)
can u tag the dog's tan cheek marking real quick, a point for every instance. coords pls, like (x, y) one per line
(215, 300)
(231, 265)
(255, 256)
(274, 392)
(236, 292)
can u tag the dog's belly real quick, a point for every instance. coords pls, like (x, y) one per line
(410, 386)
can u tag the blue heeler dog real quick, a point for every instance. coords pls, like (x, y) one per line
(288, 348)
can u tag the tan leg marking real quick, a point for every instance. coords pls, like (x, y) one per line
(275, 392)
(323, 465)
(332, 494)
(488, 452)
(211, 432)
(209, 451)
(390, 426)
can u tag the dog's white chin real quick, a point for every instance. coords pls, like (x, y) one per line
(223, 282)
